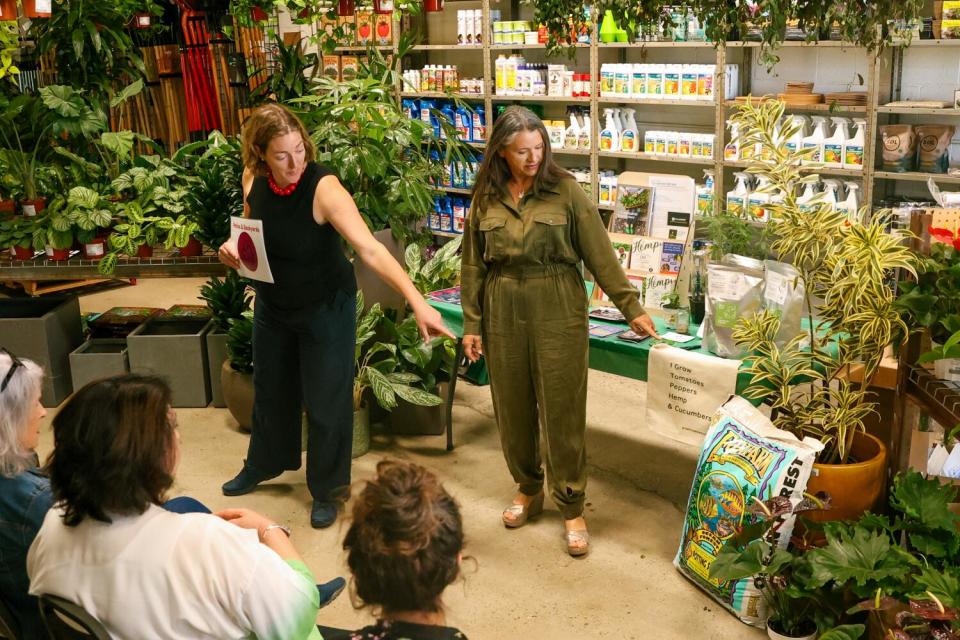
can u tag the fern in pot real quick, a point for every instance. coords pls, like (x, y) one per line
(844, 264)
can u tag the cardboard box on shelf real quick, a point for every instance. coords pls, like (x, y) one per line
(365, 26)
(950, 29)
(349, 67)
(331, 67)
(384, 29)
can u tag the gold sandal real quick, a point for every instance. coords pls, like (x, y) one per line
(578, 542)
(516, 515)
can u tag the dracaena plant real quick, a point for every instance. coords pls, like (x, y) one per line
(844, 263)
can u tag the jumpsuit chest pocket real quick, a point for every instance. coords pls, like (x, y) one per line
(550, 235)
(494, 242)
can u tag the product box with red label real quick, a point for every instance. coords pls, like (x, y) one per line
(365, 26)
(384, 29)
(331, 67)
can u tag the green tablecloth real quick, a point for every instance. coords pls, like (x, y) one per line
(619, 357)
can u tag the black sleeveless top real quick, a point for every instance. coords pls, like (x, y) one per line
(307, 259)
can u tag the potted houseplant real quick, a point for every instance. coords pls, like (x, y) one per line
(213, 191)
(17, 234)
(441, 271)
(843, 263)
(91, 215)
(227, 300)
(236, 373)
(753, 553)
(376, 371)
(55, 231)
(293, 75)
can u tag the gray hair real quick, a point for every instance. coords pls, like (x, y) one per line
(17, 401)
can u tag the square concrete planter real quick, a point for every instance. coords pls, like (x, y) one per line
(44, 330)
(175, 350)
(216, 354)
(413, 420)
(98, 358)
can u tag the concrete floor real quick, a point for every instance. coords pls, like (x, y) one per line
(520, 583)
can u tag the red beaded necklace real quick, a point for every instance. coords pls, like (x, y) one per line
(277, 189)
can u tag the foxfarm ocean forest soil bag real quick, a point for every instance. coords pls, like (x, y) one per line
(743, 456)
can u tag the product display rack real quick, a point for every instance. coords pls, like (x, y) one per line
(881, 84)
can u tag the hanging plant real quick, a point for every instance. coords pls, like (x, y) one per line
(863, 23)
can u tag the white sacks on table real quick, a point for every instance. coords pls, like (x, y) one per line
(743, 456)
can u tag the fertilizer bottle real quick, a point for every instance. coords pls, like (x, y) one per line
(853, 150)
(815, 140)
(737, 199)
(630, 136)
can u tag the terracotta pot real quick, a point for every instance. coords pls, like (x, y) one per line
(58, 254)
(238, 395)
(193, 248)
(23, 253)
(31, 208)
(854, 488)
(144, 251)
(361, 431)
(8, 206)
(94, 249)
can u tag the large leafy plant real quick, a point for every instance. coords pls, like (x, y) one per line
(381, 156)
(293, 75)
(441, 271)
(376, 366)
(227, 299)
(846, 265)
(240, 343)
(213, 173)
(932, 301)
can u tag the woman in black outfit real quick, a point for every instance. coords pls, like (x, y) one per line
(304, 334)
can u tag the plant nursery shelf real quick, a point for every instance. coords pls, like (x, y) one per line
(853, 173)
(798, 43)
(929, 43)
(655, 157)
(458, 190)
(940, 397)
(907, 111)
(571, 152)
(170, 266)
(813, 108)
(515, 47)
(361, 48)
(570, 99)
(653, 101)
(916, 176)
(753, 223)
(441, 95)
(445, 234)
(606, 207)
(694, 44)
(448, 47)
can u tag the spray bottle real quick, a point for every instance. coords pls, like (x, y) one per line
(586, 134)
(834, 145)
(571, 138)
(795, 141)
(758, 200)
(738, 198)
(705, 194)
(630, 137)
(732, 150)
(808, 200)
(851, 205)
(609, 136)
(815, 140)
(832, 193)
(853, 150)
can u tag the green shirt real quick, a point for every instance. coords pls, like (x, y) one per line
(557, 226)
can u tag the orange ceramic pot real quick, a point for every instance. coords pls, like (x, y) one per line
(856, 487)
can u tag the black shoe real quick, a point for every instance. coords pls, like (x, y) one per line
(323, 514)
(246, 481)
(330, 590)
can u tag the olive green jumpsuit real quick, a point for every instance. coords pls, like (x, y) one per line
(523, 293)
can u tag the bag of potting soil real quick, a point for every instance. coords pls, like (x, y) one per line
(734, 291)
(743, 457)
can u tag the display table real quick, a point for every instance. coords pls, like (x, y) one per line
(619, 357)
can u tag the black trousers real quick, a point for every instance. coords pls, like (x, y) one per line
(304, 359)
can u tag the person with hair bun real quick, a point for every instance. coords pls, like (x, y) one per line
(303, 332)
(404, 547)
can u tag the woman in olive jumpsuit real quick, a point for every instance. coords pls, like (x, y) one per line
(525, 308)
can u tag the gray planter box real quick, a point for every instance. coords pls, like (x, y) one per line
(175, 350)
(216, 354)
(44, 330)
(98, 358)
(413, 420)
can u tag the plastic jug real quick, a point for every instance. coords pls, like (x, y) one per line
(853, 150)
(738, 198)
(834, 145)
(815, 140)
(609, 136)
(630, 137)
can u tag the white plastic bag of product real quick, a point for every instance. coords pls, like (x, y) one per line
(785, 295)
(733, 292)
(743, 456)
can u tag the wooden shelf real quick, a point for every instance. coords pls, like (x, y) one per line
(168, 266)
(571, 152)
(657, 102)
(655, 157)
(606, 207)
(916, 176)
(457, 190)
(829, 171)
(570, 99)
(445, 234)
(363, 48)
(789, 44)
(448, 47)
(513, 47)
(909, 111)
(825, 106)
(656, 44)
(929, 43)
(443, 95)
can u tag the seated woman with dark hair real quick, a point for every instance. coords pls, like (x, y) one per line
(143, 571)
(404, 547)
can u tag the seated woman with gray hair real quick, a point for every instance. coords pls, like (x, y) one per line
(25, 495)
